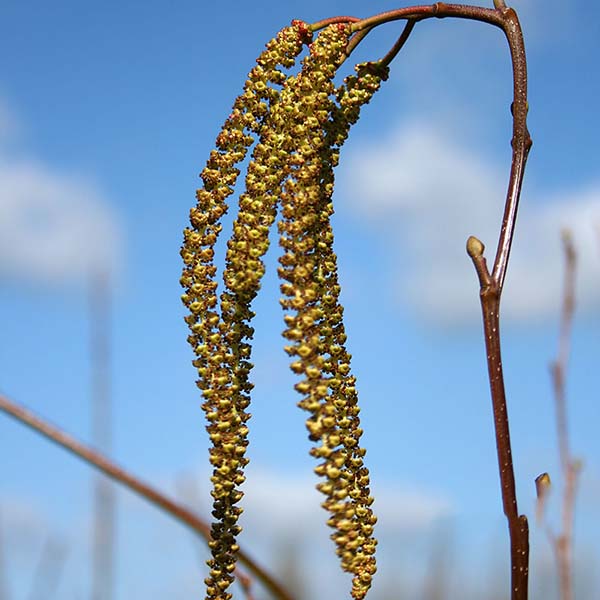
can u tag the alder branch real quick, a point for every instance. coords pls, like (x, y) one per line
(491, 283)
(148, 493)
(399, 44)
(563, 543)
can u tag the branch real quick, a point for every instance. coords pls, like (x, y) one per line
(491, 284)
(506, 19)
(148, 493)
(393, 52)
(563, 543)
(518, 527)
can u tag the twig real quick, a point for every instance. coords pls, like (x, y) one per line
(103, 546)
(517, 524)
(4, 593)
(491, 284)
(49, 569)
(245, 583)
(158, 499)
(399, 44)
(563, 543)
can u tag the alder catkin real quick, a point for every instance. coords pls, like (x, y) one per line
(220, 351)
(299, 122)
(311, 294)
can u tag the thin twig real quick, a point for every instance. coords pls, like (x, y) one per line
(4, 593)
(158, 499)
(490, 293)
(355, 40)
(563, 543)
(399, 44)
(245, 583)
(517, 524)
(325, 22)
(103, 547)
(49, 569)
(491, 284)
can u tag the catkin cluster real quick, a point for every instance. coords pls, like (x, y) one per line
(299, 123)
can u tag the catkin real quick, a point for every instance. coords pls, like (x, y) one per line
(315, 326)
(299, 122)
(221, 352)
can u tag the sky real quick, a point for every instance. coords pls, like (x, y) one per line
(107, 115)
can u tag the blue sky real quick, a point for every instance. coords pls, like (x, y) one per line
(107, 115)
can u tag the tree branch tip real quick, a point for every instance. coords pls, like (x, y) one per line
(577, 465)
(475, 247)
(566, 235)
(542, 485)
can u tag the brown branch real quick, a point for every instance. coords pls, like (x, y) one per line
(490, 293)
(150, 494)
(506, 19)
(325, 22)
(356, 39)
(491, 284)
(518, 528)
(563, 543)
(399, 44)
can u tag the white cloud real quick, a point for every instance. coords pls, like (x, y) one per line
(271, 497)
(281, 495)
(54, 226)
(428, 194)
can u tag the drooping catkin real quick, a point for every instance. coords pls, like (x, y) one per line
(352, 514)
(221, 350)
(311, 291)
(300, 128)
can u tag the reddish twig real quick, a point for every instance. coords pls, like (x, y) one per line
(393, 52)
(490, 293)
(563, 543)
(158, 499)
(491, 284)
(517, 524)
(103, 547)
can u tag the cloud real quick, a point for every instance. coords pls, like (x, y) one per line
(270, 497)
(286, 504)
(427, 194)
(54, 226)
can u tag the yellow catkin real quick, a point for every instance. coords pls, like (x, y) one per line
(311, 292)
(219, 356)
